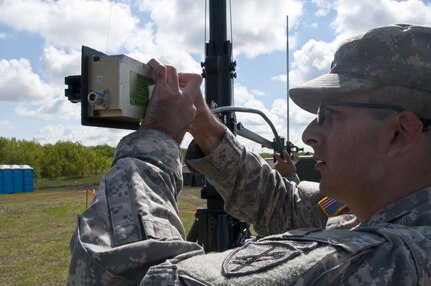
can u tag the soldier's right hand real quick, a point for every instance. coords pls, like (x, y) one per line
(171, 108)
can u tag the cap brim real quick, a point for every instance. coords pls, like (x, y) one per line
(308, 95)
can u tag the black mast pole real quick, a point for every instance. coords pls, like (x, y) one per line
(218, 68)
(213, 228)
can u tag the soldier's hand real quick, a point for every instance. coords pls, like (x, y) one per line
(284, 165)
(171, 108)
(206, 129)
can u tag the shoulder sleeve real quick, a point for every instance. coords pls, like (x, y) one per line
(256, 193)
(132, 223)
(363, 257)
(300, 257)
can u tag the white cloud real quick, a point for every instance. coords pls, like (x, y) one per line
(354, 17)
(245, 97)
(52, 109)
(293, 39)
(57, 63)
(312, 60)
(282, 78)
(18, 83)
(256, 29)
(71, 23)
(34, 97)
(179, 23)
(324, 6)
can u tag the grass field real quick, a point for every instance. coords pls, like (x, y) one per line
(35, 229)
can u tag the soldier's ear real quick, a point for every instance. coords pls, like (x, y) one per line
(407, 131)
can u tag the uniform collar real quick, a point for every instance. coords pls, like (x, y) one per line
(414, 209)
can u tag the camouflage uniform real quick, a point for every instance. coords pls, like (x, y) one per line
(254, 192)
(133, 221)
(131, 233)
(132, 224)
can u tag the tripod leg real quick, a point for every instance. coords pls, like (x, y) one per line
(192, 235)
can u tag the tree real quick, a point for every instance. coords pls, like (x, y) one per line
(63, 159)
(51, 162)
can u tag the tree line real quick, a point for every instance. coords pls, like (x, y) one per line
(62, 159)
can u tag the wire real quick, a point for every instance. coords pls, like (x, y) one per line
(109, 28)
(205, 29)
(231, 24)
(251, 110)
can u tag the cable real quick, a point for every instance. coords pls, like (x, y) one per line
(231, 24)
(205, 30)
(256, 111)
(109, 28)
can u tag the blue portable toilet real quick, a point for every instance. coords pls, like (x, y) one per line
(28, 178)
(16, 179)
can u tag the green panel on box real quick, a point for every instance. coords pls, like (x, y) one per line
(139, 91)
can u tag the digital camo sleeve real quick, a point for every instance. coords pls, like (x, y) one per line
(254, 191)
(132, 223)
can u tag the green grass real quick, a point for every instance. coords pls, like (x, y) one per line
(36, 227)
(188, 200)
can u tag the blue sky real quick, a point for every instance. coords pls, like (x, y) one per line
(40, 44)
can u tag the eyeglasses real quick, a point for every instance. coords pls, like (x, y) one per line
(325, 102)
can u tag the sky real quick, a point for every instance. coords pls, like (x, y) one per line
(40, 44)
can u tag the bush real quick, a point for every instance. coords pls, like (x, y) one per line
(63, 159)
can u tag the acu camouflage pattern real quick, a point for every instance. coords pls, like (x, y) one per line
(391, 55)
(132, 222)
(131, 233)
(256, 193)
(391, 248)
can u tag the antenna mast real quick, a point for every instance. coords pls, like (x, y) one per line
(219, 68)
(287, 78)
(213, 228)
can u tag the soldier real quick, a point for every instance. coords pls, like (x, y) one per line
(372, 148)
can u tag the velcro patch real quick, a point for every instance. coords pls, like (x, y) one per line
(331, 207)
(263, 255)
